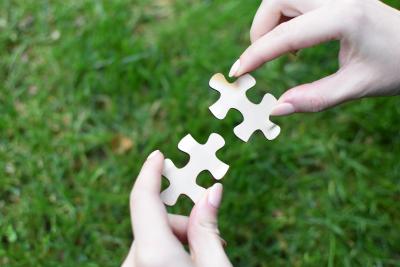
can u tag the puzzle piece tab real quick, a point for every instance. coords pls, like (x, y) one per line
(255, 116)
(202, 157)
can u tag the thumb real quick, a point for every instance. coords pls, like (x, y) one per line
(330, 91)
(206, 246)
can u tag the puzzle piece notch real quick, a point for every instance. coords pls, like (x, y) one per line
(202, 157)
(233, 95)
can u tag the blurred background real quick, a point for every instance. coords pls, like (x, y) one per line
(89, 88)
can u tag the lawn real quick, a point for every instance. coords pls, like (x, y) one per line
(89, 88)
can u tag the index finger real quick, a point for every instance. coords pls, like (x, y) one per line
(314, 27)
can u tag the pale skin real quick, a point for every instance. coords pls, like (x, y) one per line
(159, 236)
(369, 58)
(369, 34)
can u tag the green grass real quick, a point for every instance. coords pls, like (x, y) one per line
(79, 76)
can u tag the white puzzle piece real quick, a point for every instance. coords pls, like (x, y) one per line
(255, 116)
(202, 157)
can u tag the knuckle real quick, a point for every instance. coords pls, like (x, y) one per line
(353, 13)
(282, 29)
(254, 33)
(287, 31)
(317, 103)
(210, 227)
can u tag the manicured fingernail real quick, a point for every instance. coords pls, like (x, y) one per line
(215, 195)
(153, 154)
(283, 109)
(235, 68)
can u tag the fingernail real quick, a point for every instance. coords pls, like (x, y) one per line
(235, 68)
(283, 109)
(153, 154)
(215, 195)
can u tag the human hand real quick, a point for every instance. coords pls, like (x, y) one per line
(159, 237)
(369, 56)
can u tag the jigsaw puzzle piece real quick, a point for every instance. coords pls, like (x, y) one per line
(215, 142)
(215, 166)
(269, 129)
(202, 157)
(256, 117)
(169, 167)
(181, 181)
(170, 195)
(243, 132)
(244, 83)
(231, 94)
(187, 144)
(195, 192)
(220, 108)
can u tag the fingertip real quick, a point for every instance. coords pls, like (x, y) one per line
(316, 96)
(253, 35)
(283, 109)
(155, 160)
(155, 155)
(206, 208)
(234, 69)
(214, 195)
(149, 178)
